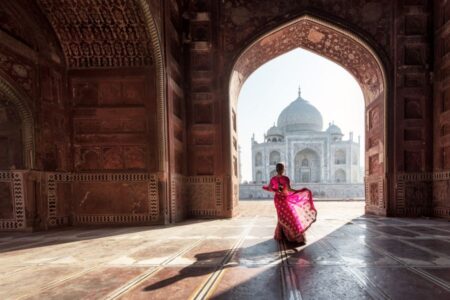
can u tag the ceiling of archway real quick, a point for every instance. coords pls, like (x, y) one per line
(320, 39)
(96, 33)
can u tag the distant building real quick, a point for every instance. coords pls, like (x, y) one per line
(311, 156)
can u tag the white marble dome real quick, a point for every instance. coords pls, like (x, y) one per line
(274, 131)
(300, 115)
(333, 129)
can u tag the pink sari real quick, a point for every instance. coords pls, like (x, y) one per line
(295, 210)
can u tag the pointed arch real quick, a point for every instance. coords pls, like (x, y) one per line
(13, 95)
(158, 56)
(351, 52)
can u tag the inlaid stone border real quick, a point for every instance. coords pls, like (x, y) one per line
(207, 194)
(16, 180)
(374, 188)
(438, 211)
(152, 180)
(420, 181)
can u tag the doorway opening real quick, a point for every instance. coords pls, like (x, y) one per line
(355, 56)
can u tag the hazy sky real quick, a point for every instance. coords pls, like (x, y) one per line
(326, 85)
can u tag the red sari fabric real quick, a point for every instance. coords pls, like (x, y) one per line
(295, 210)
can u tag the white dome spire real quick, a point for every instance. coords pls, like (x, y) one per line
(300, 115)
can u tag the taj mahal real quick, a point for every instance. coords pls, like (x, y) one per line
(321, 160)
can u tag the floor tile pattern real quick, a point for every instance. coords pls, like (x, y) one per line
(348, 255)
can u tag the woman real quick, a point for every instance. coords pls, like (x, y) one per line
(295, 208)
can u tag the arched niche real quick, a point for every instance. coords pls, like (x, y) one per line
(258, 159)
(307, 166)
(274, 157)
(340, 157)
(352, 53)
(340, 176)
(15, 111)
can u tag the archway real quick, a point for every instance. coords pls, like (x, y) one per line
(15, 111)
(274, 157)
(353, 54)
(307, 166)
(340, 176)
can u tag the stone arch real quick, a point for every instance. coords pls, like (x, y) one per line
(340, 157)
(311, 171)
(258, 176)
(354, 54)
(157, 52)
(274, 157)
(17, 98)
(258, 159)
(305, 162)
(340, 176)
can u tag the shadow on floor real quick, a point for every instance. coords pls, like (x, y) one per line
(379, 250)
(13, 241)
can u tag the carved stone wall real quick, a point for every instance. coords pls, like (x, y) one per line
(351, 52)
(114, 120)
(441, 109)
(12, 201)
(23, 22)
(205, 194)
(96, 33)
(205, 109)
(413, 109)
(11, 150)
(119, 90)
(53, 150)
(398, 31)
(176, 107)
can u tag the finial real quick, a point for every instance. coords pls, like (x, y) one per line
(299, 91)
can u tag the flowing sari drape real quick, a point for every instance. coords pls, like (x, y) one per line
(295, 210)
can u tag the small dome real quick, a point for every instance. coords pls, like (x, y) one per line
(300, 115)
(274, 131)
(333, 129)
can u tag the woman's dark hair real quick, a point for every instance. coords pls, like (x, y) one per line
(279, 167)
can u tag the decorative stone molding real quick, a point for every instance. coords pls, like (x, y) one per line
(374, 189)
(351, 52)
(177, 195)
(318, 36)
(413, 187)
(441, 194)
(205, 194)
(159, 61)
(52, 198)
(16, 179)
(152, 191)
(99, 34)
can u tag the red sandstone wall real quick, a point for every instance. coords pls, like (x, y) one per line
(32, 65)
(412, 110)
(441, 110)
(96, 139)
(400, 33)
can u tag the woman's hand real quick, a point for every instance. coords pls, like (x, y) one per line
(266, 187)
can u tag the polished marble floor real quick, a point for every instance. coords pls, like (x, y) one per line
(348, 256)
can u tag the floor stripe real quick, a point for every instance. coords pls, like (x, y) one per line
(210, 285)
